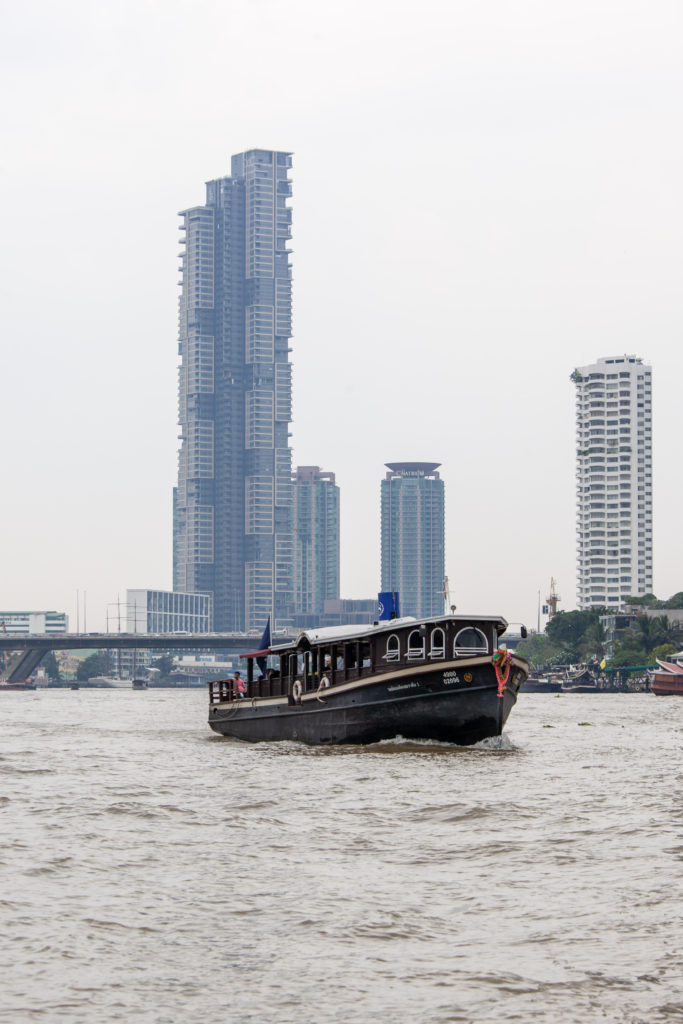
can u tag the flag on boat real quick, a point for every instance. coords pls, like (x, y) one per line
(263, 646)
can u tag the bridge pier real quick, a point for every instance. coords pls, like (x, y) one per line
(23, 664)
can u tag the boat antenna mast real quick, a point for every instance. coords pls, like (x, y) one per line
(448, 607)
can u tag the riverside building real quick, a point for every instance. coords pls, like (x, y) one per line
(29, 623)
(316, 533)
(613, 481)
(412, 496)
(232, 517)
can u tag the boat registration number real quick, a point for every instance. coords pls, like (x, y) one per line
(450, 678)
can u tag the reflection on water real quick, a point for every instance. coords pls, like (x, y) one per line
(163, 874)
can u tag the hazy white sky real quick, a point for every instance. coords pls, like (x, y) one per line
(486, 195)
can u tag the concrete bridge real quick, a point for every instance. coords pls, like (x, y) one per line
(29, 651)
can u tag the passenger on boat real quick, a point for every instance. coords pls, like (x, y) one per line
(239, 686)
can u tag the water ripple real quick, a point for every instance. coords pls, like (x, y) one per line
(161, 874)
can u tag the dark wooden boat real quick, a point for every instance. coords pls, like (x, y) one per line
(580, 682)
(668, 681)
(541, 684)
(445, 678)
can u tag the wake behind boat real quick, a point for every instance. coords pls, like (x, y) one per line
(445, 678)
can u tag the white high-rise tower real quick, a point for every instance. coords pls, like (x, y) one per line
(613, 481)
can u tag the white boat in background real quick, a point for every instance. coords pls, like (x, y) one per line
(111, 682)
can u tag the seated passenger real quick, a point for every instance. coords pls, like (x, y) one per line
(239, 686)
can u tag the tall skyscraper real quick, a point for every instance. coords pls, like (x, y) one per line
(233, 535)
(316, 532)
(613, 481)
(413, 536)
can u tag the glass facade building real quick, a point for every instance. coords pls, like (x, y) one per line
(613, 481)
(413, 549)
(164, 611)
(233, 532)
(316, 532)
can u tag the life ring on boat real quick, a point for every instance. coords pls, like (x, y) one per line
(297, 690)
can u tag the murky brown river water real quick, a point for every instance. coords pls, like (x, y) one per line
(154, 873)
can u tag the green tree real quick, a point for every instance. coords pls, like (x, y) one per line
(651, 631)
(164, 664)
(645, 601)
(540, 651)
(95, 665)
(662, 652)
(674, 602)
(625, 655)
(568, 630)
(51, 666)
(591, 644)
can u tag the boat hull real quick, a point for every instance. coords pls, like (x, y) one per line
(667, 686)
(541, 686)
(454, 703)
(110, 683)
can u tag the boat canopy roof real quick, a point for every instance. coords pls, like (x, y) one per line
(335, 634)
(675, 670)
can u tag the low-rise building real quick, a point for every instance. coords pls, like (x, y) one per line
(30, 623)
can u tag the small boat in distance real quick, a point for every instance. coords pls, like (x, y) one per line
(445, 678)
(537, 683)
(110, 682)
(582, 681)
(140, 684)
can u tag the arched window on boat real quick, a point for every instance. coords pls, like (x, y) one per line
(470, 641)
(437, 645)
(393, 649)
(416, 645)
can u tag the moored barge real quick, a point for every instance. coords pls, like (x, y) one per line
(668, 681)
(446, 678)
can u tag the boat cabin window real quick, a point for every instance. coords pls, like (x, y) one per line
(470, 641)
(416, 645)
(393, 649)
(437, 647)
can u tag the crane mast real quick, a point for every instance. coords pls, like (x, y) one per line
(553, 599)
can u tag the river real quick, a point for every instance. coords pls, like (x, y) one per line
(154, 873)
